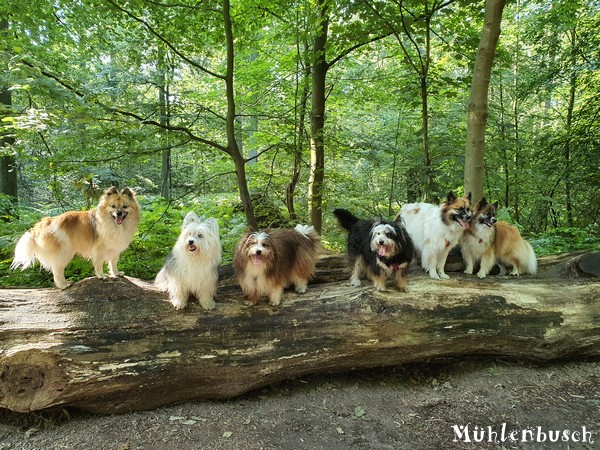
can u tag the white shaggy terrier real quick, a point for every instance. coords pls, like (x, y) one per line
(192, 266)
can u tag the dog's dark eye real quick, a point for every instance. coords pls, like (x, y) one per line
(200, 235)
(113, 206)
(125, 206)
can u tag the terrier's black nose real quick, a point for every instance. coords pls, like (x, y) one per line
(119, 213)
(190, 242)
(258, 252)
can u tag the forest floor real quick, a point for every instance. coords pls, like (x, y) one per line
(421, 406)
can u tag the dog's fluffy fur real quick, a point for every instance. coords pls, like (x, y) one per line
(491, 242)
(100, 234)
(192, 267)
(266, 262)
(378, 248)
(435, 230)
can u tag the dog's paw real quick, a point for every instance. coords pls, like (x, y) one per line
(514, 274)
(470, 272)
(118, 273)
(481, 274)
(207, 303)
(433, 275)
(301, 290)
(354, 283)
(443, 276)
(63, 286)
(178, 303)
(381, 288)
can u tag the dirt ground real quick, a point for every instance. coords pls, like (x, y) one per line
(421, 406)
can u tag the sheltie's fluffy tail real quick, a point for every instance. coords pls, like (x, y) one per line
(24, 252)
(345, 218)
(531, 261)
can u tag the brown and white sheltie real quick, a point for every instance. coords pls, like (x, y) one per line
(435, 230)
(100, 234)
(493, 242)
(266, 262)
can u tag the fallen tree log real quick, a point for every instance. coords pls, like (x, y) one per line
(113, 346)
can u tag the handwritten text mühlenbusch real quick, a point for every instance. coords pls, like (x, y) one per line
(498, 435)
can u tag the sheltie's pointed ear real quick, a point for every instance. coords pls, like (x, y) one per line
(450, 197)
(190, 218)
(468, 197)
(495, 205)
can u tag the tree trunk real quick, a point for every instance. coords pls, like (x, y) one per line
(478, 104)
(164, 111)
(303, 87)
(232, 146)
(570, 109)
(8, 164)
(109, 346)
(317, 120)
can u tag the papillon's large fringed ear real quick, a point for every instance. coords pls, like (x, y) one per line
(481, 203)
(450, 197)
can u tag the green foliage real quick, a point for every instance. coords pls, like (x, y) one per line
(566, 239)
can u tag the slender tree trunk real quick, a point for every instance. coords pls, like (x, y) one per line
(299, 140)
(478, 103)
(515, 113)
(394, 166)
(317, 120)
(570, 109)
(163, 108)
(429, 187)
(505, 165)
(232, 145)
(8, 164)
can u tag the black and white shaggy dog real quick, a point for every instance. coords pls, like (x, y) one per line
(378, 248)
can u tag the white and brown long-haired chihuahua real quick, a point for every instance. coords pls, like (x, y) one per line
(192, 267)
(266, 262)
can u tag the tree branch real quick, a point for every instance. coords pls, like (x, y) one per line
(166, 42)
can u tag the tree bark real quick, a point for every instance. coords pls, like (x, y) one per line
(232, 145)
(117, 345)
(8, 163)
(478, 103)
(317, 120)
